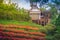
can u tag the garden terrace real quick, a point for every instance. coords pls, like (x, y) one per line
(12, 31)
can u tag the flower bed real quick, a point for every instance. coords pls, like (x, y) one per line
(18, 26)
(11, 31)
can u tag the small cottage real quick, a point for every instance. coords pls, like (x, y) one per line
(39, 17)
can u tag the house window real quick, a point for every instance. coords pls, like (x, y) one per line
(41, 14)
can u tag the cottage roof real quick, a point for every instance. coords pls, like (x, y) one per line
(36, 10)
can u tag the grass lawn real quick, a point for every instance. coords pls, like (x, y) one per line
(5, 22)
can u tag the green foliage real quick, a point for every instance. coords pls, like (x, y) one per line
(44, 29)
(57, 23)
(1, 1)
(10, 12)
(55, 34)
(54, 13)
(24, 15)
(56, 37)
(55, 19)
(48, 28)
(24, 23)
(56, 1)
(42, 9)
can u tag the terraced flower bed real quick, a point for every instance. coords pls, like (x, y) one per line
(16, 32)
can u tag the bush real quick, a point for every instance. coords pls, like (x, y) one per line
(48, 28)
(10, 12)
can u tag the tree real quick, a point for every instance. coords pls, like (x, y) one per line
(10, 12)
(41, 2)
(57, 23)
(57, 2)
(1, 1)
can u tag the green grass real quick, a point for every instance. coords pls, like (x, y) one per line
(6, 22)
(44, 29)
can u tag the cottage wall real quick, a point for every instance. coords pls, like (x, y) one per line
(38, 16)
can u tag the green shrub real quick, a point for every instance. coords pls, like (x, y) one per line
(47, 28)
(10, 12)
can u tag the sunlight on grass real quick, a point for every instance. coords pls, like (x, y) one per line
(19, 23)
